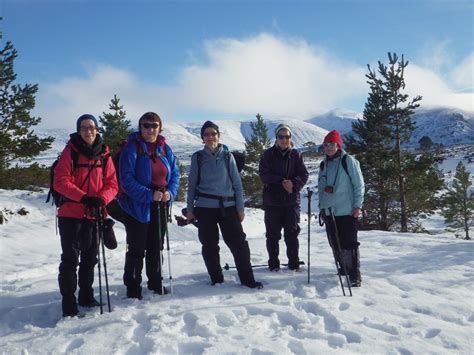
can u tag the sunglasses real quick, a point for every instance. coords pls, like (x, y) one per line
(284, 137)
(87, 129)
(150, 125)
(330, 145)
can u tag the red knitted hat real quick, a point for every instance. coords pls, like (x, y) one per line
(334, 137)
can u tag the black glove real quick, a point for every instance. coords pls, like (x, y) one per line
(92, 201)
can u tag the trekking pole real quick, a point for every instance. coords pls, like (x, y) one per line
(343, 265)
(101, 234)
(310, 193)
(168, 249)
(160, 261)
(322, 221)
(228, 267)
(97, 227)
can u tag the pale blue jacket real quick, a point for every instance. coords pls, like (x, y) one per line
(348, 188)
(219, 177)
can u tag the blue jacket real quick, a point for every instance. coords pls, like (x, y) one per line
(136, 176)
(219, 177)
(348, 188)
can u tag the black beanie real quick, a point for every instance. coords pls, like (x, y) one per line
(208, 124)
(86, 116)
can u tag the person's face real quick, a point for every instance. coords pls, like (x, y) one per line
(150, 130)
(211, 138)
(283, 139)
(330, 148)
(88, 131)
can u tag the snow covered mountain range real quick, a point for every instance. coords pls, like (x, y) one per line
(446, 126)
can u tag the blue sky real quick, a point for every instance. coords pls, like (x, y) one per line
(197, 60)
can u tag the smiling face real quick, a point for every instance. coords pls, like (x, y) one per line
(330, 148)
(150, 130)
(88, 131)
(283, 139)
(211, 138)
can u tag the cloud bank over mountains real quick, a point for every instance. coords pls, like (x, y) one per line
(278, 76)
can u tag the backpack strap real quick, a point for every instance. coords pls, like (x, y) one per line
(343, 162)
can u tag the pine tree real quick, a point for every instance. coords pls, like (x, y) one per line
(400, 186)
(458, 202)
(17, 138)
(115, 126)
(254, 148)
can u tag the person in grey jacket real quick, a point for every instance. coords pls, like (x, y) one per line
(215, 199)
(341, 194)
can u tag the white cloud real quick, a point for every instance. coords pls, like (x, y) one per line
(273, 75)
(463, 74)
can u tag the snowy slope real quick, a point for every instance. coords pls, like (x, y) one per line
(416, 296)
(442, 125)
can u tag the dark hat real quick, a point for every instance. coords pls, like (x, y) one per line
(280, 127)
(86, 116)
(209, 124)
(334, 137)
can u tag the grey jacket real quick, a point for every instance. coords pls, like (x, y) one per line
(216, 179)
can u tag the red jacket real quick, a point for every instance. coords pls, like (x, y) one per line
(68, 183)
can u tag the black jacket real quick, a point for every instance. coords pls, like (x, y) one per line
(276, 166)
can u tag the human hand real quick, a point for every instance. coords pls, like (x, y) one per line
(356, 212)
(92, 201)
(241, 216)
(157, 195)
(288, 186)
(166, 196)
(190, 216)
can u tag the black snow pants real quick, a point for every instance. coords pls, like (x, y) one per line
(276, 218)
(234, 237)
(79, 248)
(143, 242)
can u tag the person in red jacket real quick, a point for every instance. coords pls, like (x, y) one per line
(88, 183)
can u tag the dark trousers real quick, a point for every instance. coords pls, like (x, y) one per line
(143, 241)
(77, 250)
(276, 218)
(347, 231)
(210, 220)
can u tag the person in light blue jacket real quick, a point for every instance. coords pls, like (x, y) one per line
(149, 179)
(341, 195)
(215, 200)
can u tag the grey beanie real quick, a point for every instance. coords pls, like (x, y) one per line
(280, 127)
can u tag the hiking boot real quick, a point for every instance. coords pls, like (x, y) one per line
(255, 284)
(274, 269)
(134, 292)
(69, 306)
(159, 290)
(89, 304)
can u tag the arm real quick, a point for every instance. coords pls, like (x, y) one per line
(63, 179)
(128, 180)
(236, 184)
(264, 170)
(109, 181)
(301, 177)
(173, 183)
(358, 186)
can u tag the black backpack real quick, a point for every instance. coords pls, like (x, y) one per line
(343, 162)
(57, 199)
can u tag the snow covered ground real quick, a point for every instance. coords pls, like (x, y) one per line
(416, 296)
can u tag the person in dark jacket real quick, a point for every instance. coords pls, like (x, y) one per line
(88, 186)
(341, 193)
(215, 199)
(283, 174)
(149, 178)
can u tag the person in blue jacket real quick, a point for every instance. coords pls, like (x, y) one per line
(215, 199)
(149, 178)
(341, 193)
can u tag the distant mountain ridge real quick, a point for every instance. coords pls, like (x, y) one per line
(445, 126)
